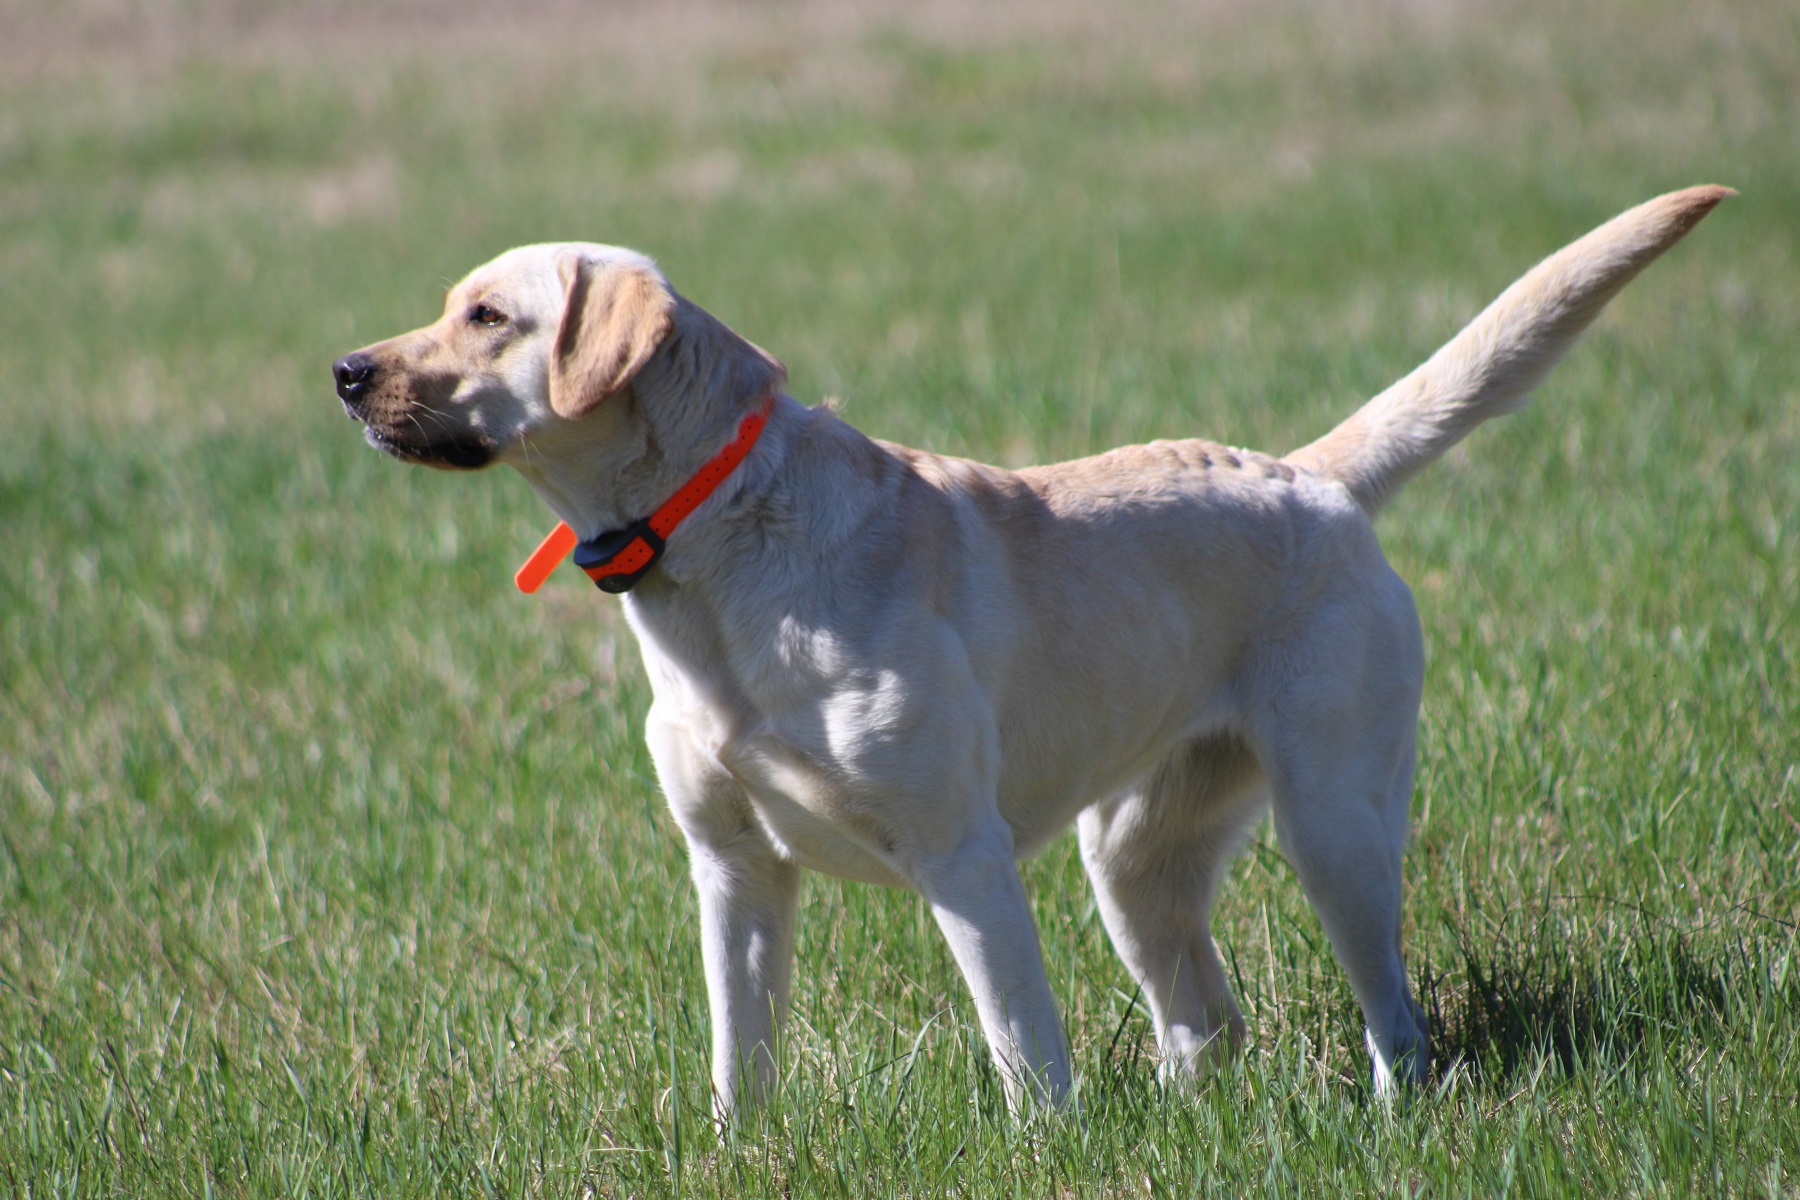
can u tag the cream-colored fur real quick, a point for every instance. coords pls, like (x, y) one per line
(895, 666)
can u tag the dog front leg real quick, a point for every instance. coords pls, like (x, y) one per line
(979, 902)
(748, 895)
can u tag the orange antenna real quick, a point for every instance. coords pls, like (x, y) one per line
(546, 558)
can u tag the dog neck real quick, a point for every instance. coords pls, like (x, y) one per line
(619, 558)
(613, 473)
(757, 531)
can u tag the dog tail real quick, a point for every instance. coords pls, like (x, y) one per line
(1489, 368)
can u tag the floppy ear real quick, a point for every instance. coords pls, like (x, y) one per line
(614, 317)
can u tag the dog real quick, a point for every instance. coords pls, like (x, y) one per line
(909, 669)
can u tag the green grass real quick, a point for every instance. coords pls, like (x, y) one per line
(330, 866)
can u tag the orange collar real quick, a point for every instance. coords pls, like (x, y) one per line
(617, 559)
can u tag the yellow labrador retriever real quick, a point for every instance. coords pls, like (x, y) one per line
(893, 666)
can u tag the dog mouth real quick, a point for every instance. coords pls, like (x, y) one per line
(385, 401)
(459, 453)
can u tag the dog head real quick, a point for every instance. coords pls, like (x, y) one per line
(553, 347)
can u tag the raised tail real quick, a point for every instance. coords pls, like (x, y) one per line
(1489, 368)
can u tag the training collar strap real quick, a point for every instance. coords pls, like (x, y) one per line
(617, 559)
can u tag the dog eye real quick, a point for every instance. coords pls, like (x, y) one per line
(483, 314)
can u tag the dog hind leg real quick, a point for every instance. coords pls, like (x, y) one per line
(1349, 868)
(1155, 855)
(1340, 765)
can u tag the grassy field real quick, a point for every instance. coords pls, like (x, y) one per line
(331, 866)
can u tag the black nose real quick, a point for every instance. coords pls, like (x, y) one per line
(353, 372)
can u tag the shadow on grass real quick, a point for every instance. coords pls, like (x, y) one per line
(1577, 980)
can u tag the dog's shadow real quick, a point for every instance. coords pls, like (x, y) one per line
(1579, 980)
